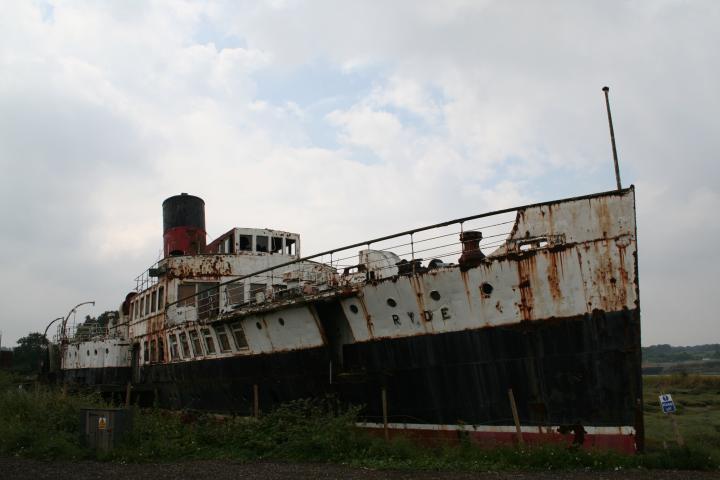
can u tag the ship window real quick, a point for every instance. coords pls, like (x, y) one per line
(256, 288)
(153, 351)
(207, 299)
(289, 246)
(186, 290)
(153, 301)
(161, 298)
(147, 304)
(223, 339)
(173, 347)
(227, 245)
(142, 306)
(435, 295)
(276, 245)
(161, 350)
(195, 343)
(245, 242)
(239, 335)
(235, 293)
(261, 243)
(209, 343)
(146, 352)
(353, 308)
(184, 345)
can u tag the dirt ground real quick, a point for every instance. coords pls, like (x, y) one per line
(16, 468)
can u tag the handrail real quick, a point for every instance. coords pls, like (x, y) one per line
(367, 243)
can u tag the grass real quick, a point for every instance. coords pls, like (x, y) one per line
(45, 424)
(697, 398)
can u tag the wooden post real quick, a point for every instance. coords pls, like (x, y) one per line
(516, 418)
(128, 389)
(385, 419)
(678, 436)
(256, 401)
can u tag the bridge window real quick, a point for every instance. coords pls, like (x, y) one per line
(142, 306)
(184, 345)
(161, 298)
(195, 343)
(186, 290)
(173, 347)
(261, 243)
(289, 246)
(153, 351)
(245, 242)
(223, 339)
(209, 342)
(276, 245)
(235, 293)
(147, 304)
(239, 335)
(153, 301)
(161, 350)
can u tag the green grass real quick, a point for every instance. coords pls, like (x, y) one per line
(697, 398)
(45, 424)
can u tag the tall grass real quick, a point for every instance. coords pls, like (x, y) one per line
(45, 424)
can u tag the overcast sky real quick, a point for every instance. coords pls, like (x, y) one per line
(348, 120)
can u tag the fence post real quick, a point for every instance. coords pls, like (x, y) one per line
(516, 418)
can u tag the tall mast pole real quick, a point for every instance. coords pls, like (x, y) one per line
(612, 138)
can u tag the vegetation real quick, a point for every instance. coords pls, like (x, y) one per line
(697, 398)
(670, 354)
(45, 424)
(28, 353)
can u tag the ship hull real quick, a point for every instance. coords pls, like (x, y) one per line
(573, 379)
(538, 339)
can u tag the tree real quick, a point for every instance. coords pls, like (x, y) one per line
(29, 352)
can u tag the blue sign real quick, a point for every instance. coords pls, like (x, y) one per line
(667, 404)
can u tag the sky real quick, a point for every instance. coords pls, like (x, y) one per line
(344, 121)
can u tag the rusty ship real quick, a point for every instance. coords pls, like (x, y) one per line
(523, 321)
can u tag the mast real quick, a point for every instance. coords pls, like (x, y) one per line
(612, 138)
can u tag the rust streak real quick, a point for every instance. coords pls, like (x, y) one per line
(526, 271)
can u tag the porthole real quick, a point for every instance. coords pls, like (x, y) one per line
(95, 352)
(257, 324)
(107, 351)
(391, 302)
(353, 308)
(486, 288)
(435, 295)
(88, 353)
(281, 321)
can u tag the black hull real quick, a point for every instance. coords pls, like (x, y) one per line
(573, 371)
(102, 378)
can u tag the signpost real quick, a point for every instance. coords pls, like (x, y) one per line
(667, 404)
(668, 408)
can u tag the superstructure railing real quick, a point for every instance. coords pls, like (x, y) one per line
(409, 252)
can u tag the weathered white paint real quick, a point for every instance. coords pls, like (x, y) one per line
(564, 259)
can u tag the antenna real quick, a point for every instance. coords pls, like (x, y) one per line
(612, 138)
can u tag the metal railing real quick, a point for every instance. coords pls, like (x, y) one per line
(406, 253)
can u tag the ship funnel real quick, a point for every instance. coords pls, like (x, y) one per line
(183, 225)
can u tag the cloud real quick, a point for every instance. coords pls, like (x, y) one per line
(422, 111)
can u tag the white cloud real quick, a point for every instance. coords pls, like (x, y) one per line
(106, 109)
